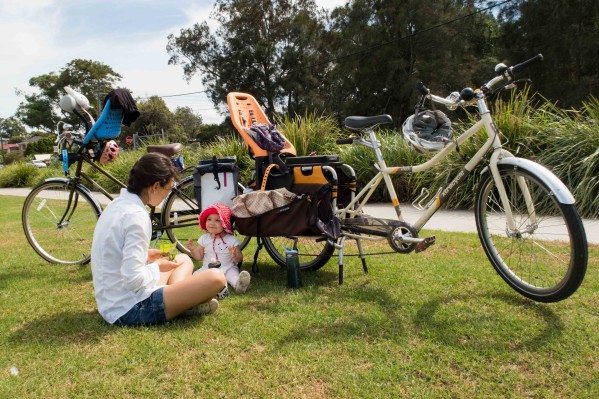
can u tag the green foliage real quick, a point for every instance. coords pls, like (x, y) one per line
(119, 168)
(567, 142)
(394, 44)
(18, 174)
(310, 133)
(12, 127)
(256, 48)
(188, 121)
(12, 157)
(41, 110)
(179, 126)
(569, 71)
(564, 141)
(42, 146)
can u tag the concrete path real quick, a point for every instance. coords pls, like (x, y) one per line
(445, 220)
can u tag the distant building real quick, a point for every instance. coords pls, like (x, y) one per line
(23, 144)
(10, 148)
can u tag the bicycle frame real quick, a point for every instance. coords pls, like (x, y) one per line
(158, 224)
(384, 173)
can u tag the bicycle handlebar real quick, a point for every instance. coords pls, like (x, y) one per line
(422, 89)
(523, 65)
(505, 75)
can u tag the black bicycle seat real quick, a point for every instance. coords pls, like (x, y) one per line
(365, 122)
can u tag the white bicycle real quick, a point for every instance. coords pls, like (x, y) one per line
(526, 217)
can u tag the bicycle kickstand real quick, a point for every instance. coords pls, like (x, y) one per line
(340, 246)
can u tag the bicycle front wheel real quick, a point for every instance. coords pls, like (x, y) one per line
(544, 258)
(59, 222)
(313, 252)
(180, 214)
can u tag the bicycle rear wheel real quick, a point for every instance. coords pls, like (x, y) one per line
(545, 258)
(180, 216)
(59, 222)
(313, 252)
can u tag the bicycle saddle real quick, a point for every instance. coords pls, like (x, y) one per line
(167, 149)
(365, 122)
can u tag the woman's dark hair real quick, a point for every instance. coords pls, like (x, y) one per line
(149, 169)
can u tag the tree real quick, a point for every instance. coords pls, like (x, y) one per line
(188, 121)
(156, 118)
(566, 33)
(12, 127)
(41, 110)
(263, 47)
(42, 146)
(385, 46)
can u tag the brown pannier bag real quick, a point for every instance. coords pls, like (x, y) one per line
(298, 217)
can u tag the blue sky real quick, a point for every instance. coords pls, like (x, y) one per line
(40, 36)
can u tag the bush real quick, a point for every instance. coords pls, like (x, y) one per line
(567, 142)
(18, 174)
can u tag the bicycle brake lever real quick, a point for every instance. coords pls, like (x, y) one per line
(515, 83)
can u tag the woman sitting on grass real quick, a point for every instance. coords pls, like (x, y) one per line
(135, 285)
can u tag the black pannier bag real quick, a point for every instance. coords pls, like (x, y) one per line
(216, 181)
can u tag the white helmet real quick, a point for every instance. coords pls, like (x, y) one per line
(81, 101)
(427, 131)
(68, 103)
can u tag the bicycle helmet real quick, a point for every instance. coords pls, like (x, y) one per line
(68, 103)
(427, 131)
(110, 151)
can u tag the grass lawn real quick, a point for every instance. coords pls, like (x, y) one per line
(436, 324)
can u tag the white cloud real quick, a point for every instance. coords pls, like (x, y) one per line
(42, 36)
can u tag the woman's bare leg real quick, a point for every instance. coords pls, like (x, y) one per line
(192, 291)
(178, 274)
(183, 271)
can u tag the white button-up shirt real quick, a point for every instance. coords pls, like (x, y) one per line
(122, 277)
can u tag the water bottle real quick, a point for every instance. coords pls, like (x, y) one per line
(294, 279)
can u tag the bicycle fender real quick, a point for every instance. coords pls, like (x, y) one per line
(80, 186)
(557, 187)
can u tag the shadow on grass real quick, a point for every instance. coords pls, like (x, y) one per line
(65, 328)
(488, 321)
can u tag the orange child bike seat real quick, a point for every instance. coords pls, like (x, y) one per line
(245, 111)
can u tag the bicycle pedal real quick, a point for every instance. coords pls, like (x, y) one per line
(424, 244)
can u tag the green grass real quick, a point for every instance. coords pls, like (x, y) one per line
(436, 324)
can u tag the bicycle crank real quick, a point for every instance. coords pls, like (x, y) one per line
(404, 239)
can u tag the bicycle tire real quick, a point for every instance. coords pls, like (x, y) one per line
(180, 216)
(546, 261)
(69, 242)
(313, 253)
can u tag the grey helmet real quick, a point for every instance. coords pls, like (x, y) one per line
(427, 131)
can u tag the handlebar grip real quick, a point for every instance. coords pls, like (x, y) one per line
(344, 141)
(422, 89)
(516, 68)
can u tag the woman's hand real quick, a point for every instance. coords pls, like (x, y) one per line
(154, 254)
(166, 265)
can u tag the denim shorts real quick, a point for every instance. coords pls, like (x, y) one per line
(147, 312)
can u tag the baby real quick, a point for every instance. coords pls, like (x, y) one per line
(220, 248)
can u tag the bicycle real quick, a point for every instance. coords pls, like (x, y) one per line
(59, 215)
(526, 218)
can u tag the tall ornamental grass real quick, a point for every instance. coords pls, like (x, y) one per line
(565, 141)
